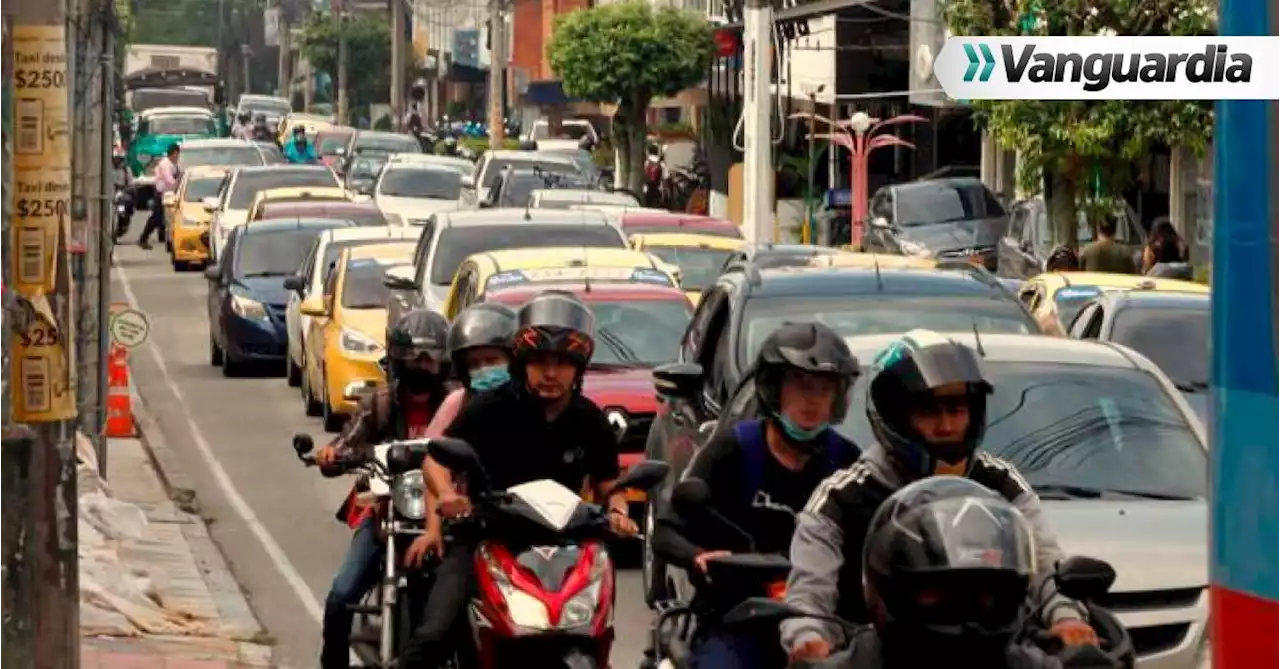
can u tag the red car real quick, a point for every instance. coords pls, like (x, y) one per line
(638, 327)
(360, 213)
(330, 141)
(654, 222)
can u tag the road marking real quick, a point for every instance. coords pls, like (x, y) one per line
(242, 508)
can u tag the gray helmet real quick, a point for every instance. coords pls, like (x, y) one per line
(812, 348)
(481, 325)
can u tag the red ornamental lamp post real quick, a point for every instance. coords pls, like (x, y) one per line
(859, 135)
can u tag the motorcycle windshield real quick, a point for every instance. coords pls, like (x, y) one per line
(550, 565)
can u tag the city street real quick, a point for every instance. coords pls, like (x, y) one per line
(272, 517)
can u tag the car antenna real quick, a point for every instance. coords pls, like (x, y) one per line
(977, 339)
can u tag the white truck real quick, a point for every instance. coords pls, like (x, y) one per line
(140, 57)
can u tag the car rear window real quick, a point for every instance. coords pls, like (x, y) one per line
(519, 186)
(1175, 339)
(362, 286)
(388, 143)
(199, 189)
(497, 165)
(456, 244)
(432, 183)
(231, 156)
(328, 143)
(275, 253)
(248, 185)
(181, 125)
(699, 267)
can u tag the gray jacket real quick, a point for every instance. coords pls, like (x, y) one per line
(833, 526)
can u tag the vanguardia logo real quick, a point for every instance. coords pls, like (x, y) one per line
(1113, 68)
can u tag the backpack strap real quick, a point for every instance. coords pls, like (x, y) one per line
(751, 455)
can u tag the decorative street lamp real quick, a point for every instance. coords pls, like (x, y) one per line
(858, 135)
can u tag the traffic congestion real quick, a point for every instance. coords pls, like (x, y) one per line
(563, 425)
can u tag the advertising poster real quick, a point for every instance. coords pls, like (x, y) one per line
(42, 385)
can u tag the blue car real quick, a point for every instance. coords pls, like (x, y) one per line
(247, 296)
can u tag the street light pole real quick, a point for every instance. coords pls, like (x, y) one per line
(863, 142)
(338, 14)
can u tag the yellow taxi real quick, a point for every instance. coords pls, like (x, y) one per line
(312, 123)
(349, 319)
(699, 257)
(295, 194)
(186, 219)
(1054, 298)
(483, 272)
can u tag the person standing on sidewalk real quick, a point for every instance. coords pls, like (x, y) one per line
(166, 182)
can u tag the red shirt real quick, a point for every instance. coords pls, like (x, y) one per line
(417, 416)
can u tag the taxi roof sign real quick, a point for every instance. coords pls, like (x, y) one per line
(579, 273)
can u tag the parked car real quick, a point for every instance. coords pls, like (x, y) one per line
(948, 219)
(1026, 245)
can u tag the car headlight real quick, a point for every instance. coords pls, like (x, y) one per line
(247, 308)
(356, 342)
(618, 421)
(915, 248)
(408, 495)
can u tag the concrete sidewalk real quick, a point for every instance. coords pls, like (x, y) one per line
(195, 588)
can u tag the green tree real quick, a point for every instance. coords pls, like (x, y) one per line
(176, 22)
(1085, 152)
(368, 52)
(626, 53)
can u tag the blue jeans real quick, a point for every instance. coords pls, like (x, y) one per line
(359, 572)
(725, 650)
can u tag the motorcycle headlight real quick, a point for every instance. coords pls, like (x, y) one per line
(915, 249)
(581, 608)
(247, 308)
(525, 610)
(408, 495)
(356, 342)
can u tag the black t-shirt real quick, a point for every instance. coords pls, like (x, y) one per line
(516, 444)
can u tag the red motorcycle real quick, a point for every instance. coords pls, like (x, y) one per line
(546, 581)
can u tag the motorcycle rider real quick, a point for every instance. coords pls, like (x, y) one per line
(763, 471)
(261, 131)
(300, 151)
(926, 404)
(946, 569)
(243, 127)
(449, 146)
(538, 426)
(123, 180)
(400, 410)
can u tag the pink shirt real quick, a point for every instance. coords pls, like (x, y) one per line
(446, 413)
(166, 176)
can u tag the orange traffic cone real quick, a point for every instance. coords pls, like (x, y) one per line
(119, 405)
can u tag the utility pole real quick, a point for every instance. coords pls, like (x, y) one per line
(284, 72)
(397, 63)
(37, 460)
(757, 131)
(339, 15)
(497, 65)
(245, 52)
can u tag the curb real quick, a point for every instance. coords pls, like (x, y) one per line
(238, 620)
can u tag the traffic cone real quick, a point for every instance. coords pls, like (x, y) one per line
(119, 404)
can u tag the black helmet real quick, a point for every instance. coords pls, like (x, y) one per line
(1062, 258)
(259, 118)
(806, 347)
(903, 377)
(418, 333)
(243, 116)
(481, 325)
(299, 132)
(946, 565)
(554, 322)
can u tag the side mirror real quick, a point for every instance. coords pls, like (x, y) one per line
(302, 444)
(294, 283)
(454, 454)
(399, 278)
(467, 181)
(1084, 579)
(642, 476)
(213, 273)
(690, 495)
(880, 222)
(169, 199)
(678, 380)
(210, 204)
(312, 307)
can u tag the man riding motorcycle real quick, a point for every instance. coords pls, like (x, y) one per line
(261, 131)
(762, 472)
(946, 569)
(926, 403)
(538, 426)
(300, 150)
(400, 410)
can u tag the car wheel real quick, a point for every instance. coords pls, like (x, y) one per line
(181, 266)
(293, 373)
(653, 573)
(215, 352)
(309, 404)
(231, 368)
(332, 421)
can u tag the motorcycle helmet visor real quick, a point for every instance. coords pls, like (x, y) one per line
(418, 347)
(934, 362)
(481, 327)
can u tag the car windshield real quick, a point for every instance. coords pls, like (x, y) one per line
(275, 253)
(181, 125)
(231, 156)
(1175, 339)
(497, 165)
(335, 249)
(699, 267)
(944, 201)
(638, 332)
(1080, 427)
(457, 244)
(271, 108)
(362, 286)
(328, 143)
(388, 143)
(432, 183)
(851, 315)
(248, 185)
(1071, 299)
(199, 189)
(366, 166)
(519, 186)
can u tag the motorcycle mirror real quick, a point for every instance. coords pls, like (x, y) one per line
(406, 457)
(455, 454)
(303, 444)
(1083, 578)
(642, 476)
(690, 494)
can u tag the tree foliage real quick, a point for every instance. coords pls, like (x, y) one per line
(368, 52)
(177, 22)
(626, 53)
(1080, 144)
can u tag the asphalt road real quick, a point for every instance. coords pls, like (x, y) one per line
(272, 517)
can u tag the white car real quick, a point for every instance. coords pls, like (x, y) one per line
(564, 198)
(413, 191)
(572, 131)
(310, 279)
(462, 165)
(475, 188)
(230, 208)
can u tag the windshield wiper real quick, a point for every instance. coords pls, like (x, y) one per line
(624, 352)
(1192, 386)
(1059, 491)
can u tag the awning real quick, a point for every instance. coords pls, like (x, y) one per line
(550, 92)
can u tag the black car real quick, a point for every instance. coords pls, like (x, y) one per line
(247, 297)
(1026, 244)
(1170, 328)
(954, 218)
(747, 303)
